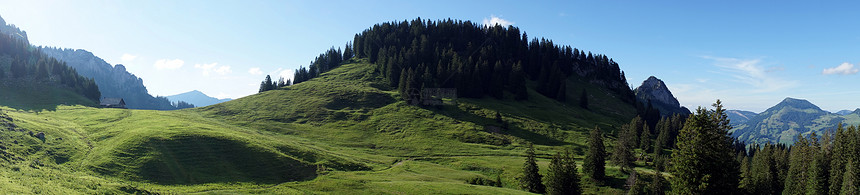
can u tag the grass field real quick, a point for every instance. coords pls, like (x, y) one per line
(344, 132)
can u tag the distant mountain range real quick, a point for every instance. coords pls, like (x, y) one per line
(197, 98)
(740, 116)
(653, 90)
(784, 121)
(847, 112)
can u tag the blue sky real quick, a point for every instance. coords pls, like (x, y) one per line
(751, 55)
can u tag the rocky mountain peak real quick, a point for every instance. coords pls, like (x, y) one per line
(655, 90)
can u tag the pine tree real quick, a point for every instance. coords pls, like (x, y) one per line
(839, 159)
(763, 172)
(636, 185)
(562, 177)
(594, 165)
(656, 187)
(561, 93)
(746, 176)
(622, 153)
(403, 85)
(795, 181)
(645, 138)
(663, 132)
(531, 180)
(849, 179)
(266, 84)
(583, 99)
(704, 162)
(518, 82)
(819, 168)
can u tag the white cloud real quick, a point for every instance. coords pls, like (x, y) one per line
(751, 72)
(287, 74)
(493, 20)
(255, 71)
(222, 95)
(165, 64)
(128, 58)
(223, 70)
(213, 67)
(843, 69)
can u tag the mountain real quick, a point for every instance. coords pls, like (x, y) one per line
(739, 117)
(783, 122)
(197, 98)
(114, 81)
(653, 90)
(31, 80)
(847, 112)
(11, 29)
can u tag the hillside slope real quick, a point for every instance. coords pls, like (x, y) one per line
(34, 81)
(343, 132)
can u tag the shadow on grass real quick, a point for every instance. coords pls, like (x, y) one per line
(462, 115)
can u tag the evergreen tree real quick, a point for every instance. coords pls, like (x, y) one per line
(562, 177)
(518, 82)
(403, 85)
(561, 93)
(763, 172)
(636, 186)
(795, 181)
(849, 179)
(583, 99)
(746, 176)
(531, 180)
(663, 132)
(281, 83)
(266, 84)
(841, 154)
(595, 160)
(656, 187)
(820, 166)
(622, 153)
(645, 138)
(704, 161)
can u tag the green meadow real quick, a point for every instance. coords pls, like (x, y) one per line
(345, 132)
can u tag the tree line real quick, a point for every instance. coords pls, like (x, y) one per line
(23, 62)
(474, 59)
(331, 59)
(480, 60)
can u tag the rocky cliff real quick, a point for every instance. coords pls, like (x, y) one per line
(653, 90)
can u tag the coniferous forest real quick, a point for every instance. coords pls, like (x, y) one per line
(21, 62)
(474, 59)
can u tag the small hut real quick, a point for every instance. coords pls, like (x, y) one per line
(112, 103)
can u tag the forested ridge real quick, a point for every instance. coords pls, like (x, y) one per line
(21, 62)
(474, 59)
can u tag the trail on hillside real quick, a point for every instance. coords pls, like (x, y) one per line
(125, 114)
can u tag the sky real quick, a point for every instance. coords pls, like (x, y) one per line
(749, 54)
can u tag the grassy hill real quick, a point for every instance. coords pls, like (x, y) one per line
(343, 132)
